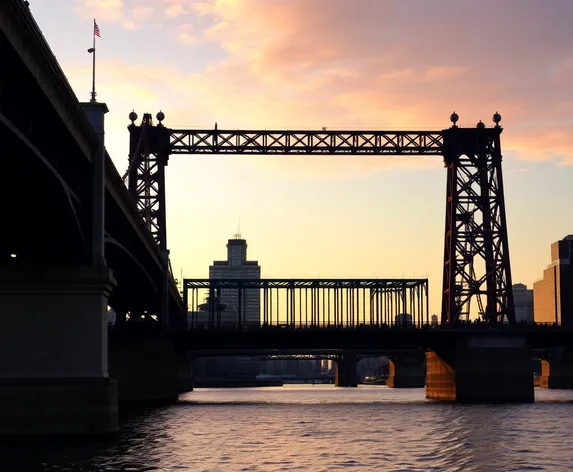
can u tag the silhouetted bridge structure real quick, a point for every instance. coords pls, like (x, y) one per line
(77, 240)
(298, 303)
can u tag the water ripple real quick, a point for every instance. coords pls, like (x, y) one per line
(316, 429)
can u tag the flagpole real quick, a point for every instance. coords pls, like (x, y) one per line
(94, 65)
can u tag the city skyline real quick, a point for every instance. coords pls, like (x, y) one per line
(204, 62)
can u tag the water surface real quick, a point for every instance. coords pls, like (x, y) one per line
(321, 428)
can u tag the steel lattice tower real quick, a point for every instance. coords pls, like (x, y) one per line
(476, 230)
(148, 156)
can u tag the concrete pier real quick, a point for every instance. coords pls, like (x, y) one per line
(346, 372)
(481, 369)
(54, 376)
(407, 370)
(146, 367)
(557, 372)
(185, 372)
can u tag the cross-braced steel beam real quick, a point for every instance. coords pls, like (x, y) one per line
(305, 142)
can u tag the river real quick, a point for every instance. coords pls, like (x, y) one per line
(320, 428)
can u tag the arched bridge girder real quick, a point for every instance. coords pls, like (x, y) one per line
(136, 289)
(475, 208)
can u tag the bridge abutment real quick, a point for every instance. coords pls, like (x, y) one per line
(481, 369)
(346, 370)
(54, 372)
(407, 371)
(557, 372)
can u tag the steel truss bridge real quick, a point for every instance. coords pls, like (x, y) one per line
(476, 254)
(306, 303)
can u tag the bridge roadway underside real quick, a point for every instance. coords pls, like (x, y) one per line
(362, 340)
(461, 365)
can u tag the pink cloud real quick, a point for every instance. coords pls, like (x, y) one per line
(372, 64)
(410, 64)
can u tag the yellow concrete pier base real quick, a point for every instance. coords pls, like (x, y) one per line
(481, 369)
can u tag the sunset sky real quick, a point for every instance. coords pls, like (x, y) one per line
(340, 64)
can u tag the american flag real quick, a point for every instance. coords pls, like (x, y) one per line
(96, 29)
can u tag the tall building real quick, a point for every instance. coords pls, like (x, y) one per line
(553, 295)
(238, 267)
(523, 302)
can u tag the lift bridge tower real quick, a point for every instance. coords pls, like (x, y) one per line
(476, 254)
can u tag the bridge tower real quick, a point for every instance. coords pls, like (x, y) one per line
(148, 156)
(476, 230)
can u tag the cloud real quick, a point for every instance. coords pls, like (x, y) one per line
(369, 64)
(175, 10)
(142, 12)
(103, 10)
(115, 11)
(406, 64)
(128, 24)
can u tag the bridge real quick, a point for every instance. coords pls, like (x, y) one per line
(78, 239)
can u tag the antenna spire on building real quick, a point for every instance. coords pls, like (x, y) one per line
(237, 235)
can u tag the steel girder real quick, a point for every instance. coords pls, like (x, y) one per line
(390, 284)
(476, 253)
(305, 142)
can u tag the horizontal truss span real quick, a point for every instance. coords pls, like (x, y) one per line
(297, 303)
(306, 142)
(304, 283)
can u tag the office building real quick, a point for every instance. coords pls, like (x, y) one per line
(553, 295)
(238, 267)
(523, 302)
(403, 319)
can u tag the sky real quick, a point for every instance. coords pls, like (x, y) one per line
(340, 64)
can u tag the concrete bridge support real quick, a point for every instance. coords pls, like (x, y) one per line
(146, 366)
(346, 372)
(407, 370)
(53, 345)
(557, 372)
(185, 372)
(484, 369)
